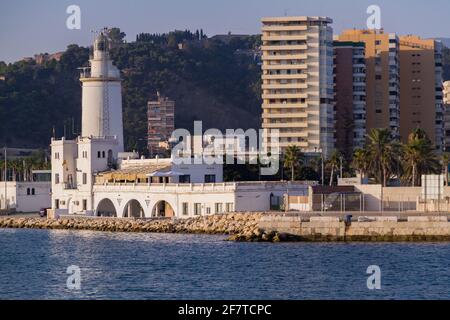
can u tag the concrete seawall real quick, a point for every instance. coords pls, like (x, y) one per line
(417, 228)
(261, 227)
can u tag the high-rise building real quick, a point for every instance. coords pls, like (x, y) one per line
(297, 82)
(446, 100)
(350, 96)
(382, 77)
(421, 88)
(161, 124)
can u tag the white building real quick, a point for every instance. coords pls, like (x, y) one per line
(92, 175)
(26, 196)
(297, 82)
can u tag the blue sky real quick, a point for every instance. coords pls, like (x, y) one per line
(34, 26)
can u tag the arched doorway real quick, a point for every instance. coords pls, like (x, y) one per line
(162, 209)
(106, 208)
(133, 209)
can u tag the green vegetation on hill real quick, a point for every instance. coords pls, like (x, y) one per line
(209, 80)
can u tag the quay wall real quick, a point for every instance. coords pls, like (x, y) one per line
(382, 228)
(271, 227)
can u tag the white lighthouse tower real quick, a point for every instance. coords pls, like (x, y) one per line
(102, 95)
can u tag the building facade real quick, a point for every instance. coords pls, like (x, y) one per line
(382, 77)
(297, 82)
(350, 96)
(161, 124)
(91, 175)
(421, 103)
(446, 101)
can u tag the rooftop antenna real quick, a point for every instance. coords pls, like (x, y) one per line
(285, 12)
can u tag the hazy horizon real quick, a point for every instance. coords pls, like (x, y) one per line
(33, 27)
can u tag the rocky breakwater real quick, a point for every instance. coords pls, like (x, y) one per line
(243, 224)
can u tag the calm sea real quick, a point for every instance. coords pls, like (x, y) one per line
(34, 263)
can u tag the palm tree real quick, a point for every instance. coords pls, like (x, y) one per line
(419, 157)
(445, 160)
(382, 151)
(333, 164)
(360, 162)
(292, 159)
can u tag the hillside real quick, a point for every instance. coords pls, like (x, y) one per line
(210, 80)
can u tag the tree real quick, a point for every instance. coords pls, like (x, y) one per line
(419, 157)
(333, 163)
(116, 36)
(445, 161)
(360, 162)
(292, 159)
(383, 152)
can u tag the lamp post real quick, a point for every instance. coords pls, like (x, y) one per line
(6, 182)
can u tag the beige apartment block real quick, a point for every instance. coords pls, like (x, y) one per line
(446, 100)
(382, 77)
(421, 103)
(297, 82)
(161, 124)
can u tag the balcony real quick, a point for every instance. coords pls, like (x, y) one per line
(285, 86)
(284, 28)
(284, 57)
(284, 115)
(285, 96)
(69, 186)
(302, 66)
(284, 76)
(281, 47)
(285, 38)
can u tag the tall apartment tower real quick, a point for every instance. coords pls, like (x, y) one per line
(297, 82)
(350, 96)
(161, 124)
(421, 103)
(382, 77)
(446, 100)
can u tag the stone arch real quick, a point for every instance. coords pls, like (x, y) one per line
(163, 208)
(133, 209)
(106, 208)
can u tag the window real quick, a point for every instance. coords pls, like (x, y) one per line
(186, 178)
(103, 154)
(56, 178)
(208, 210)
(33, 192)
(99, 154)
(84, 178)
(28, 191)
(218, 208)
(84, 204)
(210, 178)
(229, 207)
(197, 209)
(56, 155)
(185, 209)
(56, 203)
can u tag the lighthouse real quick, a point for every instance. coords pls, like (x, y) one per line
(102, 95)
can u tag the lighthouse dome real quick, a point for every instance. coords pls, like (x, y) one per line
(101, 43)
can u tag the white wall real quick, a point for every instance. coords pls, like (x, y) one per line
(19, 199)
